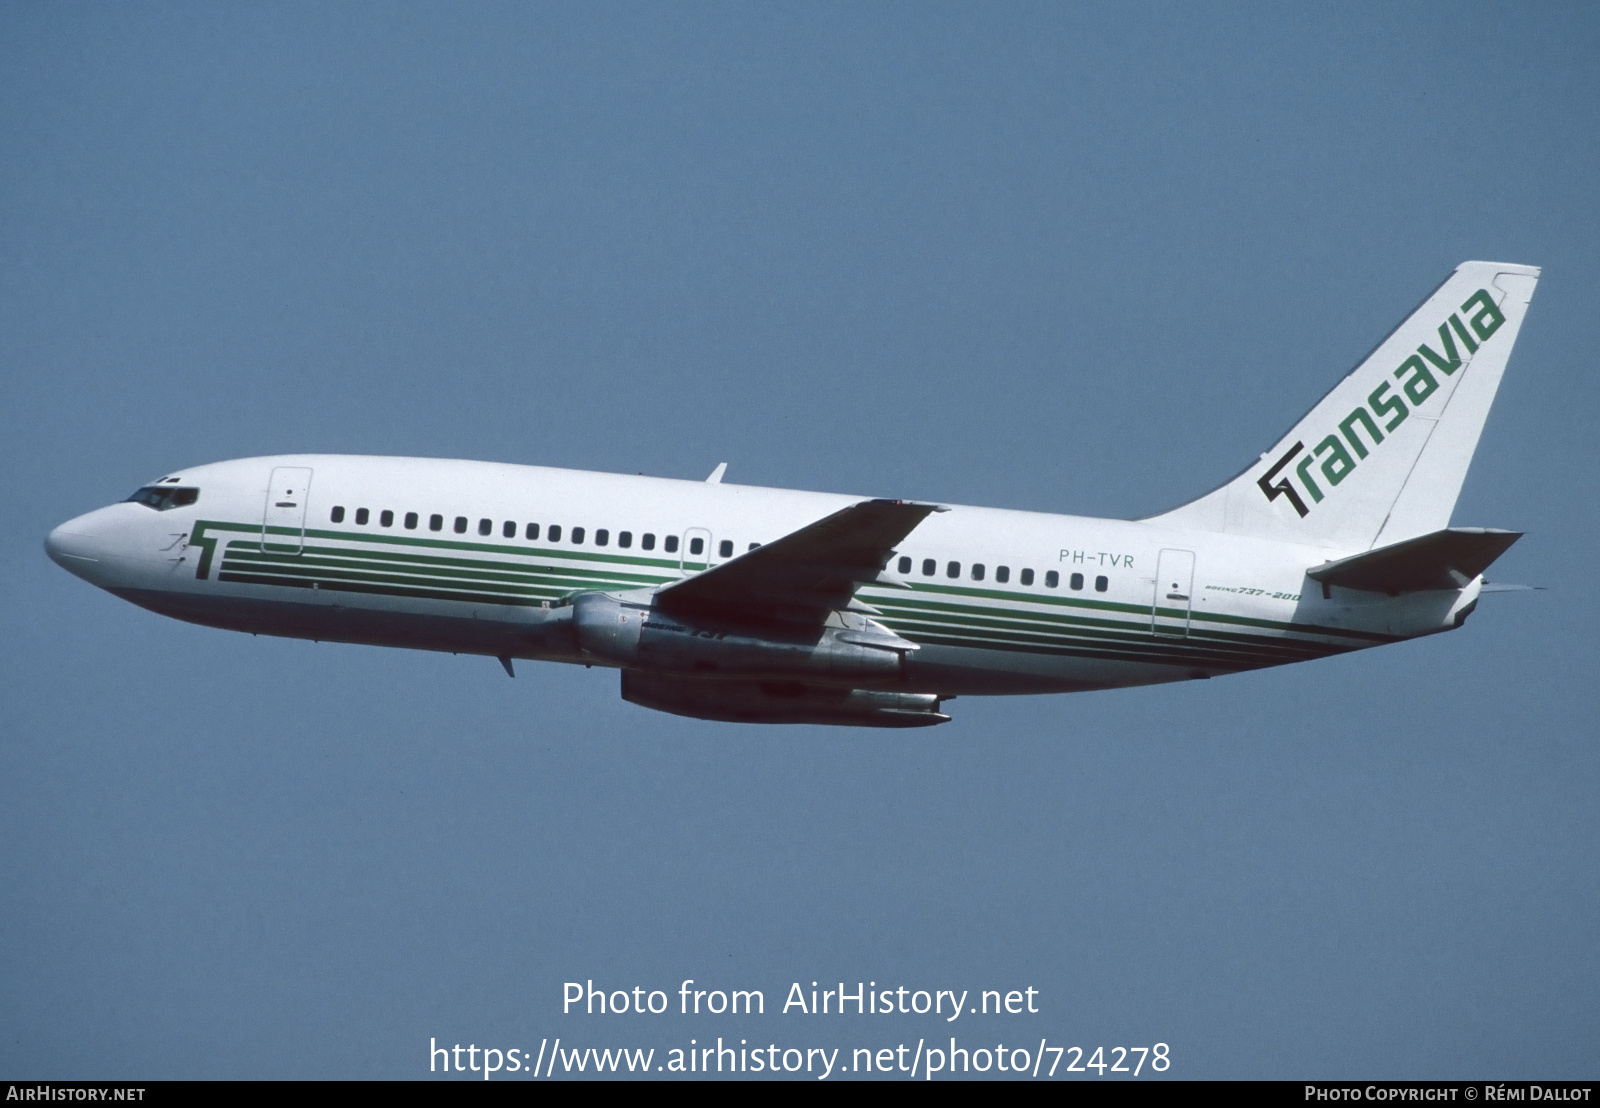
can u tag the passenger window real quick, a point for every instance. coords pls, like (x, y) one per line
(386, 518)
(624, 539)
(1027, 577)
(554, 534)
(671, 544)
(1002, 574)
(361, 516)
(485, 526)
(953, 569)
(1076, 581)
(577, 535)
(697, 546)
(461, 525)
(411, 521)
(977, 571)
(602, 537)
(904, 566)
(754, 545)
(1052, 579)
(725, 548)
(1101, 584)
(508, 529)
(337, 515)
(436, 523)
(649, 540)
(531, 532)
(929, 567)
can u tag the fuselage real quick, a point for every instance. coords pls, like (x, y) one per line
(484, 558)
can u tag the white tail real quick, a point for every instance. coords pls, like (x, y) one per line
(1381, 458)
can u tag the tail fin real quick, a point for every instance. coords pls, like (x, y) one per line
(1382, 457)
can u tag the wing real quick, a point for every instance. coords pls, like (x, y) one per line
(804, 575)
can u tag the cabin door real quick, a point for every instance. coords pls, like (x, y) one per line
(283, 520)
(696, 553)
(1169, 613)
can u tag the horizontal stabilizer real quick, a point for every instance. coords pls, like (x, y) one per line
(1447, 559)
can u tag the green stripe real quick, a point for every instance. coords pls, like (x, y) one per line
(1118, 606)
(1001, 619)
(1148, 656)
(335, 579)
(1081, 627)
(460, 567)
(889, 604)
(555, 584)
(412, 593)
(1144, 644)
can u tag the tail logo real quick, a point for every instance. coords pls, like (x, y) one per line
(1417, 384)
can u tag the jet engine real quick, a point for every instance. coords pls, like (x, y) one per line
(848, 649)
(779, 701)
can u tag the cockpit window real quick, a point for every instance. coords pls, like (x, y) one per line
(164, 498)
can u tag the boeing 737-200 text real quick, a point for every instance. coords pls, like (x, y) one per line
(730, 602)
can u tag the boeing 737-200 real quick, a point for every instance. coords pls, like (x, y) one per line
(737, 603)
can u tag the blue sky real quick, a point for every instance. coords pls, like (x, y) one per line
(1086, 259)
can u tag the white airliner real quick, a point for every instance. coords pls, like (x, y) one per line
(729, 602)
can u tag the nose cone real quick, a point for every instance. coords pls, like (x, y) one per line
(71, 549)
(81, 546)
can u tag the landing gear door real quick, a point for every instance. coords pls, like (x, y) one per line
(1169, 613)
(283, 521)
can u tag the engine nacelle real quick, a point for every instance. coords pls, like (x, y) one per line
(632, 634)
(778, 701)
